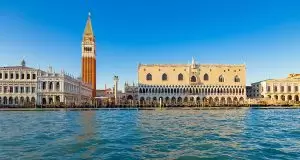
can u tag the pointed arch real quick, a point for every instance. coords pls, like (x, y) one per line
(179, 99)
(205, 77)
(173, 100)
(164, 77)
(185, 99)
(149, 77)
(236, 78)
(193, 79)
(221, 78)
(180, 77)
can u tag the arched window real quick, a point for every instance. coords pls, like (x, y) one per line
(180, 77)
(57, 86)
(149, 77)
(44, 85)
(50, 85)
(221, 79)
(164, 77)
(236, 79)
(206, 78)
(193, 79)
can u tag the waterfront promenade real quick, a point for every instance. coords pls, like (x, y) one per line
(149, 108)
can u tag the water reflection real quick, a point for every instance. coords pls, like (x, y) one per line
(200, 131)
(166, 134)
(87, 134)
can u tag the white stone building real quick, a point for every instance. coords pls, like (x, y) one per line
(278, 90)
(131, 93)
(25, 86)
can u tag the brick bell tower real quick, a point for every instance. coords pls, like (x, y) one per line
(88, 64)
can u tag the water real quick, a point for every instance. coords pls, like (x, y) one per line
(173, 134)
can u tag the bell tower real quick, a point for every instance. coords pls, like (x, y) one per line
(88, 49)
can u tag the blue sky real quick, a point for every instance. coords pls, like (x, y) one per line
(263, 34)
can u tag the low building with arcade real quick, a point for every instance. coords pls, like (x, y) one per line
(277, 91)
(26, 86)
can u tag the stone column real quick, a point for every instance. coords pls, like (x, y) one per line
(54, 99)
(116, 80)
(47, 86)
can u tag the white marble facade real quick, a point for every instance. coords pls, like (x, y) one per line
(21, 85)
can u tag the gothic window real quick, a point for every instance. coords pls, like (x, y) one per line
(236, 79)
(221, 79)
(149, 77)
(164, 77)
(180, 77)
(206, 78)
(193, 79)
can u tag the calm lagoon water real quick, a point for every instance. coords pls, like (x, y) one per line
(167, 134)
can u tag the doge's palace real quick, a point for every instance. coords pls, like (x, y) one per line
(192, 83)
